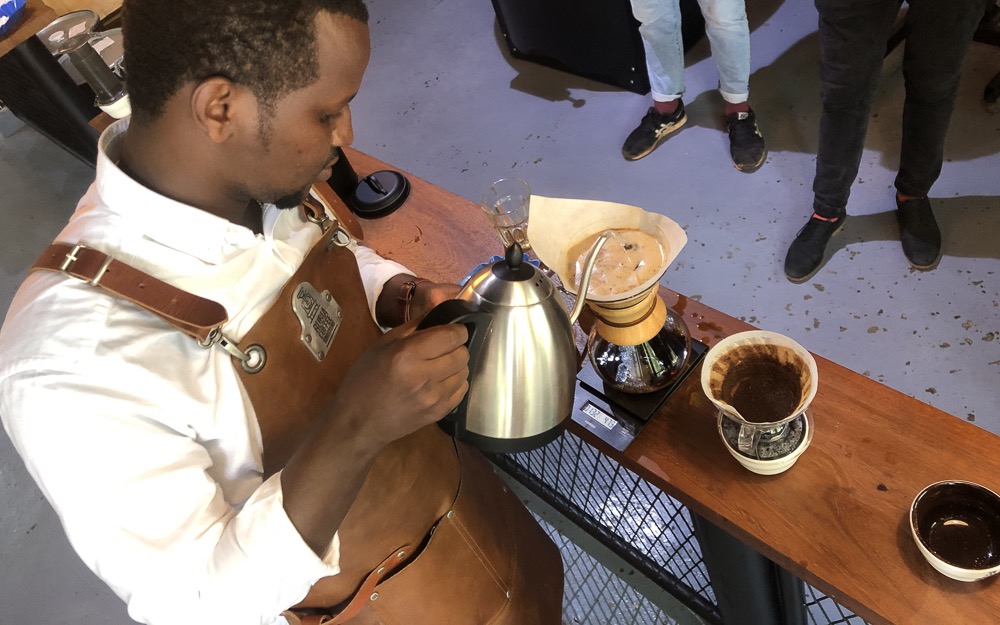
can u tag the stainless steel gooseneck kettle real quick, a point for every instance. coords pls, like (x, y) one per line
(522, 354)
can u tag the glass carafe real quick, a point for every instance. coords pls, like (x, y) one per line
(643, 367)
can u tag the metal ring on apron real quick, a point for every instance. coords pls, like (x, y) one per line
(252, 359)
(340, 238)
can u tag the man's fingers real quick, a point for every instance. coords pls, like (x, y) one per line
(437, 394)
(460, 385)
(438, 372)
(437, 341)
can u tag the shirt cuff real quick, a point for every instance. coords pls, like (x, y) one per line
(375, 272)
(273, 532)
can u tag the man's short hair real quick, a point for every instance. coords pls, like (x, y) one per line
(268, 46)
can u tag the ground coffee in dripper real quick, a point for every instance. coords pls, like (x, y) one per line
(761, 382)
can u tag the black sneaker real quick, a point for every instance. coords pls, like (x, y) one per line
(919, 232)
(805, 254)
(746, 144)
(652, 131)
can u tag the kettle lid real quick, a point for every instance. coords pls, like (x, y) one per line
(513, 267)
(513, 281)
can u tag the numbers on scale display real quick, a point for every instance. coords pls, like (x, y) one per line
(599, 415)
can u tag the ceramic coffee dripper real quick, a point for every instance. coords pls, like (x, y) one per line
(773, 379)
(637, 344)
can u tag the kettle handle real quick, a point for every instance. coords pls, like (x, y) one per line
(477, 321)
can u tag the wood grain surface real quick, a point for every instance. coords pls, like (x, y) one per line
(37, 15)
(838, 517)
(101, 7)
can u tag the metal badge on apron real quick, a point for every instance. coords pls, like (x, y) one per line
(320, 315)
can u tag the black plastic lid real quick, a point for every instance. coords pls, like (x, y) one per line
(379, 194)
(514, 267)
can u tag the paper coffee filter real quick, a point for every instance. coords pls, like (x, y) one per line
(557, 225)
(727, 352)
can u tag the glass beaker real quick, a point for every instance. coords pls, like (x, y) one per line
(506, 203)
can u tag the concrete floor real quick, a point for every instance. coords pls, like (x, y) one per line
(444, 100)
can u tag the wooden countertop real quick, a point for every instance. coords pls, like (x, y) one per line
(838, 517)
(101, 7)
(36, 16)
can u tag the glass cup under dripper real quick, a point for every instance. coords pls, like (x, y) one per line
(506, 202)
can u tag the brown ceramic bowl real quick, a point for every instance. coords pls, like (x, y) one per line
(956, 526)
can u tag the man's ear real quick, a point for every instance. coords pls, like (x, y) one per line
(218, 106)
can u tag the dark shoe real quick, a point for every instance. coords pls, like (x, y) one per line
(652, 131)
(746, 144)
(919, 233)
(805, 254)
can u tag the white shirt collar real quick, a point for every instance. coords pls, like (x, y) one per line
(176, 225)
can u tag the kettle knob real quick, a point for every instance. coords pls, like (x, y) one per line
(514, 256)
(514, 268)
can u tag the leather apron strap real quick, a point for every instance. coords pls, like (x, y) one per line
(192, 315)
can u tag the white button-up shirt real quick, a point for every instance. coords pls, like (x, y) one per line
(145, 443)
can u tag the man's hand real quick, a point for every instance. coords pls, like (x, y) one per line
(407, 379)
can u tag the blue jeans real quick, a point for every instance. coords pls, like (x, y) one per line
(852, 36)
(728, 33)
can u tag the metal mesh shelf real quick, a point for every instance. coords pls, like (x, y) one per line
(646, 528)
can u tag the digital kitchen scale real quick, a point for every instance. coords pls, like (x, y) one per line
(616, 417)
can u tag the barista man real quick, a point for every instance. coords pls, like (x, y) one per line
(199, 490)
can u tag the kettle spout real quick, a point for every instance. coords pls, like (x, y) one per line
(588, 268)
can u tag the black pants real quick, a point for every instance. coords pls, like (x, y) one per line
(853, 36)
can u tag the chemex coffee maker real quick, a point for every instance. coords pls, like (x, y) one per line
(638, 349)
(762, 384)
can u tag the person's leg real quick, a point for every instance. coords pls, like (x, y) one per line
(936, 43)
(660, 28)
(729, 36)
(852, 36)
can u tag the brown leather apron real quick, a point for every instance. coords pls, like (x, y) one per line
(433, 537)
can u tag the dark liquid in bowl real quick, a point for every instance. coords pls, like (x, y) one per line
(762, 389)
(964, 534)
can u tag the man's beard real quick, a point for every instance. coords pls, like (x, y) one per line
(295, 198)
(292, 200)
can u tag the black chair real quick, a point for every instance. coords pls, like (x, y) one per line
(595, 39)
